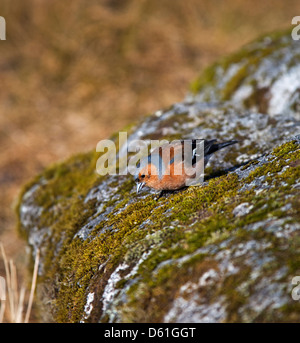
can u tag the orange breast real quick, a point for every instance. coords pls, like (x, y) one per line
(169, 181)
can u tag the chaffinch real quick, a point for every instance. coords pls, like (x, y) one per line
(169, 168)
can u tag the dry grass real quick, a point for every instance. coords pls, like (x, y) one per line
(73, 72)
(13, 294)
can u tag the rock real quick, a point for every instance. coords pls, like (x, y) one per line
(264, 76)
(242, 209)
(225, 251)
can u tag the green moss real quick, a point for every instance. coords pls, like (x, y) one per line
(285, 149)
(290, 152)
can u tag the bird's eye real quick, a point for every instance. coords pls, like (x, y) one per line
(142, 176)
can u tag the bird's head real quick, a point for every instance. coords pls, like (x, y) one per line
(146, 176)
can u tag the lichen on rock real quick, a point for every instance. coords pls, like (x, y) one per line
(225, 251)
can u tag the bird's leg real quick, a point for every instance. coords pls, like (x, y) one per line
(158, 196)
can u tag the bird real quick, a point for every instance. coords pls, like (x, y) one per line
(169, 167)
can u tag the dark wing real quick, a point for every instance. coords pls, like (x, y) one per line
(211, 147)
(207, 147)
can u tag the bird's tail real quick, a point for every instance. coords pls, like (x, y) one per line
(225, 144)
(218, 146)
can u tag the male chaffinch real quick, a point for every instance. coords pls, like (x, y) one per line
(160, 169)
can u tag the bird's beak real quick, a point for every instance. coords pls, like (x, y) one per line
(139, 186)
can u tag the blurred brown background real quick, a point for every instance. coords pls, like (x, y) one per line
(73, 72)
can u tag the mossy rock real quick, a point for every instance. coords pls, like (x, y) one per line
(264, 76)
(225, 251)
